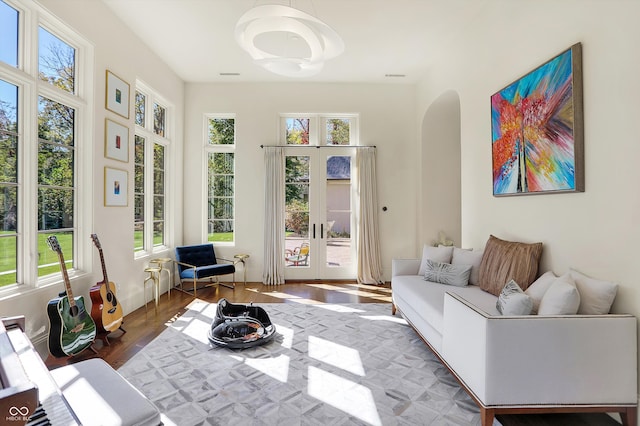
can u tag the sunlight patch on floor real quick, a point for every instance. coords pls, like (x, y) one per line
(371, 287)
(278, 367)
(194, 328)
(384, 318)
(276, 294)
(287, 335)
(337, 355)
(360, 293)
(343, 394)
(307, 301)
(339, 308)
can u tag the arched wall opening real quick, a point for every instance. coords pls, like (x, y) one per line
(440, 184)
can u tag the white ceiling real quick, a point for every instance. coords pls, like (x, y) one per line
(196, 37)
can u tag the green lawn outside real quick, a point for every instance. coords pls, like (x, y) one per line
(45, 257)
(221, 237)
(48, 257)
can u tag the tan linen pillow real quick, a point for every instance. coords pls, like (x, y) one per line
(504, 261)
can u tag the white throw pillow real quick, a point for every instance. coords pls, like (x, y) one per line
(446, 273)
(513, 301)
(468, 257)
(596, 296)
(439, 254)
(539, 287)
(562, 298)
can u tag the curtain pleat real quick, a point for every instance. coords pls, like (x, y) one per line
(273, 272)
(368, 244)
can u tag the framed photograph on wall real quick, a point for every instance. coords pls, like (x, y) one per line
(115, 187)
(116, 141)
(537, 136)
(117, 95)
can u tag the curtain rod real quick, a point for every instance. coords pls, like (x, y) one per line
(321, 146)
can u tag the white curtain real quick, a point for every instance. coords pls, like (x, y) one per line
(368, 244)
(273, 272)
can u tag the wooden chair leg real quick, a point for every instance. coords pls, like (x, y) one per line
(487, 415)
(629, 416)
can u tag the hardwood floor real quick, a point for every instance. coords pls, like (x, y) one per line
(142, 326)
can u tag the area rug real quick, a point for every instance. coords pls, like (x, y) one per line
(348, 364)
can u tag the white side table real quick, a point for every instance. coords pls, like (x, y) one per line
(241, 258)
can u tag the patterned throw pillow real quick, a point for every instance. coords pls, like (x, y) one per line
(513, 301)
(446, 273)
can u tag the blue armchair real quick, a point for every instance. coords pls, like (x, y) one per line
(199, 261)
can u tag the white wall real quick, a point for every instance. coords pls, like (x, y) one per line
(116, 49)
(387, 116)
(596, 232)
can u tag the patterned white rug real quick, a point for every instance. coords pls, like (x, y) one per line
(349, 364)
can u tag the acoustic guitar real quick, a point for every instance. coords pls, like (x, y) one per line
(105, 310)
(71, 328)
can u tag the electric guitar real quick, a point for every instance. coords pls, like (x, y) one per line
(105, 310)
(71, 329)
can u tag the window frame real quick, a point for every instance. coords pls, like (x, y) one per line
(152, 139)
(30, 88)
(218, 148)
(318, 127)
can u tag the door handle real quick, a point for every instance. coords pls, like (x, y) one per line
(314, 231)
(321, 230)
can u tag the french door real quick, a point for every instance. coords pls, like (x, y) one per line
(319, 221)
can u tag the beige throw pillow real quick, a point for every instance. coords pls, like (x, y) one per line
(504, 261)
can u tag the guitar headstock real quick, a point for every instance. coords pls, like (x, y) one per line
(96, 241)
(52, 241)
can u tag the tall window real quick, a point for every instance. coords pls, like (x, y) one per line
(158, 195)
(152, 141)
(220, 156)
(43, 133)
(55, 179)
(138, 194)
(8, 182)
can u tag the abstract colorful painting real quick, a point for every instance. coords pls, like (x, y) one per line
(537, 130)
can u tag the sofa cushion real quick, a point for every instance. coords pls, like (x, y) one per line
(503, 261)
(427, 298)
(513, 301)
(562, 298)
(468, 257)
(439, 254)
(539, 287)
(596, 296)
(446, 273)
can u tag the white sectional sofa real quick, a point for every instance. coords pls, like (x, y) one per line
(521, 363)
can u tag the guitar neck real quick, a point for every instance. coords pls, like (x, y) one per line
(65, 276)
(104, 270)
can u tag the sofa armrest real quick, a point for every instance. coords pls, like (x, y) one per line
(540, 360)
(404, 267)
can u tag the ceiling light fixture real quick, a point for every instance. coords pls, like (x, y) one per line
(287, 41)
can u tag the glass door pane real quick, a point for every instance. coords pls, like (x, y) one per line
(297, 249)
(337, 229)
